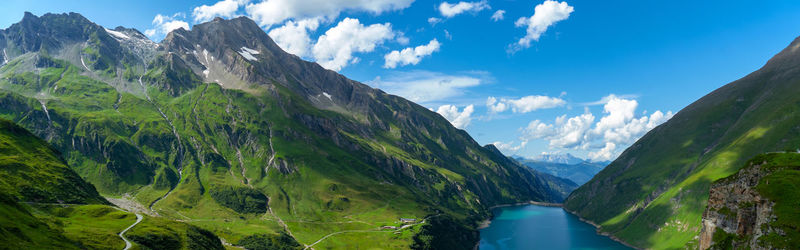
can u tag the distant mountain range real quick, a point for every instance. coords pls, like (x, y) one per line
(564, 165)
(221, 129)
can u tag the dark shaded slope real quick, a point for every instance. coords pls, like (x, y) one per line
(32, 171)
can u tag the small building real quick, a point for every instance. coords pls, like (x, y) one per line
(389, 227)
(407, 220)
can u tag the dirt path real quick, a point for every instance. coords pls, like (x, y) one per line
(128, 244)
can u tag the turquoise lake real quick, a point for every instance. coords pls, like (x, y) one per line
(538, 227)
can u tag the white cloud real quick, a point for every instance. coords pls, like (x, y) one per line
(545, 15)
(271, 12)
(162, 25)
(450, 10)
(618, 128)
(604, 154)
(503, 146)
(334, 49)
(410, 55)
(498, 15)
(293, 36)
(459, 119)
(572, 132)
(523, 105)
(428, 87)
(225, 8)
(434, 20)
(495, 106)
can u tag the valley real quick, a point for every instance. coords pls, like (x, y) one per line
(247, 151)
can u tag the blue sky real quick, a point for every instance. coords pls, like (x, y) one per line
(599, 76)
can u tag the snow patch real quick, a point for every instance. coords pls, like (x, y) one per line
(205, 54)
(248, 53)
(327, 95)
(5, 57)
(205, 72)
(45, 110)
(251, 51)
(118, 34)
(84, 64)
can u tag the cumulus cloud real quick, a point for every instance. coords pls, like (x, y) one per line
(428, 87)
(450, 10)
(523, 105)
(334, 49)
(618, 128)
(162, 25)
(545, 15)
(498, 15)
(293, 36)
(225, 8)
(503, 146)
(410, 55)
(459, 119)
(271, 12)
(605, 153)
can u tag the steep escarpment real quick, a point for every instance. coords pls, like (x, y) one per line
(654, 194)
(308, 152)
(754, 208)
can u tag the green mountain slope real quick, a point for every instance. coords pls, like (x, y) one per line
(220, 128)
(32, 171)
(45, 205)
(654, 193)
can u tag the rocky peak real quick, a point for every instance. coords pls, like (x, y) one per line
(49, 32)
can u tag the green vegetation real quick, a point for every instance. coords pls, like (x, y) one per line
(240, 199)
(723, 240)
(280, 241)
(157, 233)
(30, 170)
(19, 229)
(781, 186)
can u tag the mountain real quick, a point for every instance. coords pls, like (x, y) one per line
(654, 194)
(567, 158)
(579, 173)
(47, 205)
(218, 127)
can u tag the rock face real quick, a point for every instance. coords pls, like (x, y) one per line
(755, 208)
(735, 207)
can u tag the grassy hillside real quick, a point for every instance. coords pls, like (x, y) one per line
(44, 204)
(31, 170)
(654, 193)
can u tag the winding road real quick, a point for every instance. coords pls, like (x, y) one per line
(128, 245)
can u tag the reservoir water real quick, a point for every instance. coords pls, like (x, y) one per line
(539, 227)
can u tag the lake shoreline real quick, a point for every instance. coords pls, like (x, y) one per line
(597, 227)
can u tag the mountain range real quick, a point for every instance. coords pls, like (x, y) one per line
(566, 166)
(216, 132)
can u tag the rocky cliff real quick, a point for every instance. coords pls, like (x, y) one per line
(740, 212)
